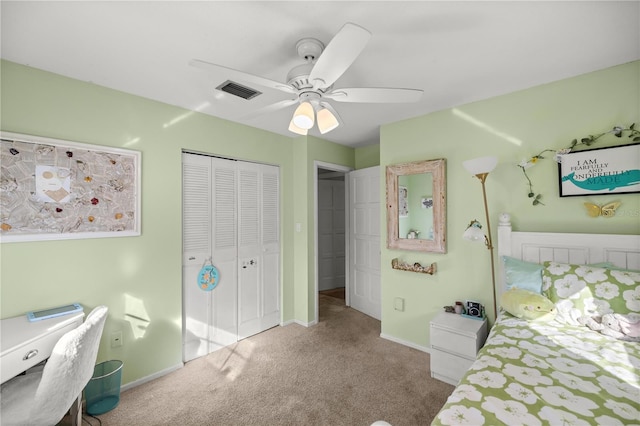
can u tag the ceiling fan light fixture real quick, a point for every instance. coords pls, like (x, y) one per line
(295, 129)
(303, 117)
(326, 121)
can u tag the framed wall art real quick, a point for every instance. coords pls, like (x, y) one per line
(602, 171)
(53, 189)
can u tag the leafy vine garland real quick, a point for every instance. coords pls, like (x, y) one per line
(617, 131)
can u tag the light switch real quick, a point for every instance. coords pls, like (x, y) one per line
(398, 304)
(298, 227)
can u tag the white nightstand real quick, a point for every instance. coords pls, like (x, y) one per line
(455, 341)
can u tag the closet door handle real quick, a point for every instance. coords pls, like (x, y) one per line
(252, 262)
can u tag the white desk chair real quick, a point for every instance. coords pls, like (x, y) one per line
(44, 397)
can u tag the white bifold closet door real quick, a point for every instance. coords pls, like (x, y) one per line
(231, 216)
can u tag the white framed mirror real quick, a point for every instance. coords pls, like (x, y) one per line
(416, 206)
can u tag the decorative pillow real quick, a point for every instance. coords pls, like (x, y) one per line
(527, 305)
(521, 274)
(584, 290)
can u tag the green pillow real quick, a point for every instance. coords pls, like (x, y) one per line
(527, 305)
(585, 290)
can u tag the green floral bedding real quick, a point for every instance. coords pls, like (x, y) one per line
(551, 373)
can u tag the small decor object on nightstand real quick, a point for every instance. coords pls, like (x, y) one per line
(474, 310)
(458, 308)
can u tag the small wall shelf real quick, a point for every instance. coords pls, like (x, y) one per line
(413, 267)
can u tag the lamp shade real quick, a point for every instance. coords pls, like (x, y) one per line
(295, 129)
(474, 232)
(326, 121)
(480, 165)
(303, 116)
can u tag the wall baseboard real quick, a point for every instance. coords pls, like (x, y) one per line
(295, 321)
(153, 376)
(405, 343)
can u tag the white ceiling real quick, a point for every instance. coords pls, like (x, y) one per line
(457, 52)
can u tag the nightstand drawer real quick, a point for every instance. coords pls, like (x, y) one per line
(447, 367)
(455, 343)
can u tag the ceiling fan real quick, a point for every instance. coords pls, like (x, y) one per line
(311, 84)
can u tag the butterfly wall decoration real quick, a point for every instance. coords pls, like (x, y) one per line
(605, 210)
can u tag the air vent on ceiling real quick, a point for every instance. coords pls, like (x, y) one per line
(239, 90)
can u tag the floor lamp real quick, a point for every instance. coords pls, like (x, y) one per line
(480, 168)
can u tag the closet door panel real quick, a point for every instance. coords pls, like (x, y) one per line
(249, 250)
(224, 326)
(259, 297)
(271, 293)
(196, 229)
(270, 220)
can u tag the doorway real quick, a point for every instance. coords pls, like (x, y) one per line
(331, 230)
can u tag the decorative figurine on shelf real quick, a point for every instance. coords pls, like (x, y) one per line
(449, 309)
(413, 267)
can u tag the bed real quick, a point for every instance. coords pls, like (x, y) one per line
(557, 371)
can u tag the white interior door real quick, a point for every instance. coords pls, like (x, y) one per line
(364, 236)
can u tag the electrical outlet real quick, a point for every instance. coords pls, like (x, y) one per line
(116, 339)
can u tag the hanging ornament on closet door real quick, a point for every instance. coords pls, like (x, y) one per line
(209, 276)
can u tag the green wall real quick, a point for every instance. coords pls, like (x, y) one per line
(142, 275)
(367, 156)
(511, 127)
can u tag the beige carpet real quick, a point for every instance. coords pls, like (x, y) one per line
(338, 372)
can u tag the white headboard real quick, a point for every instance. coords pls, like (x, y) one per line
(621, 250)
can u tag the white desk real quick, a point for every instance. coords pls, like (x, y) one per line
(24, 344)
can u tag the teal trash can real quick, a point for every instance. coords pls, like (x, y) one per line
(102, 393)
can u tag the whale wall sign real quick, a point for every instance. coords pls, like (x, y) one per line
(602, 171)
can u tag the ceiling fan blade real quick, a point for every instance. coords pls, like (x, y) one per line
(339, 54)
(270, 108)
(242, 76)
(375, 95)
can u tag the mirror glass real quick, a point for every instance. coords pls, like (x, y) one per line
(416, 206)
